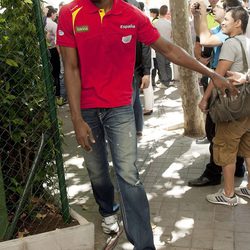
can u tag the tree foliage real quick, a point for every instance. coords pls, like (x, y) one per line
(24, 109)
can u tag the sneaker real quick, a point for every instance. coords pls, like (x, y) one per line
(242, 191)
(202, 140)
(110, 224)
(221, 198)
(161, 86)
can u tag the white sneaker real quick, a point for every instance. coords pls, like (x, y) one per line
(110, 224)
(161, 86)
(221, 198)
(242, 191)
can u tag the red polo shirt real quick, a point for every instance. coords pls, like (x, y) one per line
(106, 46)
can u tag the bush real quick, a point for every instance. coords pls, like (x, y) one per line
(24, 106)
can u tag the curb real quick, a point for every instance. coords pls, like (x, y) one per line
(72, 238)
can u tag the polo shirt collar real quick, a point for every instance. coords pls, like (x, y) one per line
(91, 8)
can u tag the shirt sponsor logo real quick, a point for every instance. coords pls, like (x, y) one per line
(84, 28)
(128, 26)
(60, 33)
(126, 39)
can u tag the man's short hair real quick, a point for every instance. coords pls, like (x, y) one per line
(154, 10)
(142, 6)
(240, 13)
(163, 10)
(231, 3)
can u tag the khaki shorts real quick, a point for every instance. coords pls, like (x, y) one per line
(231, 139)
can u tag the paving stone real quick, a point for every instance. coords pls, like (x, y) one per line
(167, 160)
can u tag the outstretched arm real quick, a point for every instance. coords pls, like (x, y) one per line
(179, 56)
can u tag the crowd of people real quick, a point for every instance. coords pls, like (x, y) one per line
(106, 52)
(50, 18)
(226, 153)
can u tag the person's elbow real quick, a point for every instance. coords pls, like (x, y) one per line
(209, 41)
(162, 46)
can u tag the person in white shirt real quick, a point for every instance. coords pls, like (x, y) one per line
(164, 27)
(51, 28)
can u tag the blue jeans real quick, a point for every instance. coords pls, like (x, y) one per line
(117, 125)
(136, 102)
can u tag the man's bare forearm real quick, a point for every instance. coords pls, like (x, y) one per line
(180, 57)
(72, 80)
(73, 85)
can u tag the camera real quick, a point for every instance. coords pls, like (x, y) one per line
(196, 5)
(209, 9)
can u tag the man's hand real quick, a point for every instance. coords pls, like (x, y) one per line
(195, 9)
(198, 7)
(203, 106)
(236, 78)
(224, 86)
(145, 81)
(84, 135)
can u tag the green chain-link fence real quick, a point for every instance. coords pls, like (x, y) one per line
(32, 183)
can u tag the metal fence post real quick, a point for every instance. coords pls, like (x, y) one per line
(52, 107)
(3, 209)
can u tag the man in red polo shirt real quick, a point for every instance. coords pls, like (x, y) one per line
(97, 40)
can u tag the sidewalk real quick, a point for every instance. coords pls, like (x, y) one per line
(181, 217)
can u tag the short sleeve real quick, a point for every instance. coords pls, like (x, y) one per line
(228, 52)
(65, 32)
(147, 33)
(218, 33)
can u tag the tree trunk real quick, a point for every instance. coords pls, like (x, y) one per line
(190, 91)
